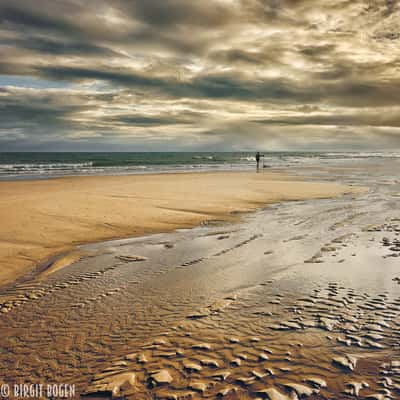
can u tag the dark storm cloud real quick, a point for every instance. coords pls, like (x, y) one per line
(116, 77)
(170, 23)
(24, 114)
(37, 112)
(141, 120)
(370, 118)
(14, 68)
(59, 114)
(174, 13)
(356, 92)
(12, 15)
(201, 73)
(59, 47)
(317, 52)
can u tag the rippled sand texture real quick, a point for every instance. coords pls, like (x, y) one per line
(300, 300)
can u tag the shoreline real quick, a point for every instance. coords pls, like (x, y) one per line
(43, 219)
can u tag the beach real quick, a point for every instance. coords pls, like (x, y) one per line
(217, 285)
(199, 200)
(43, 218)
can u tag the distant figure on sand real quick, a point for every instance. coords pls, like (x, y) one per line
(258, 160)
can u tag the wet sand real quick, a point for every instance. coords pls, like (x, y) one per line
(42, 218)
(300, 300)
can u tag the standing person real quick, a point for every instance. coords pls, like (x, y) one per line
(258, 160)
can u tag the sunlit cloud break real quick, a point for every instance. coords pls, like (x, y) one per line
(210, 75)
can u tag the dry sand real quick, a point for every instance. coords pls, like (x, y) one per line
(41, 218)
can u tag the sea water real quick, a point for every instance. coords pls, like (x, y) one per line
(42, 165)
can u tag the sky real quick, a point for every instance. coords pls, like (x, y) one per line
(226, 75)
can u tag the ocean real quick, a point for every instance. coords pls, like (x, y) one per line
(45, 165)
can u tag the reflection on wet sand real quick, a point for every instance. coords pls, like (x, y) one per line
(300, 300)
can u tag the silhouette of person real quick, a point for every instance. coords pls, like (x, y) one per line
(258, 160)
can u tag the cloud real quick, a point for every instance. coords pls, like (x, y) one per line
(212, 74)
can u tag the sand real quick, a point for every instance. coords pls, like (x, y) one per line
(298, 300)
(41, 218)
